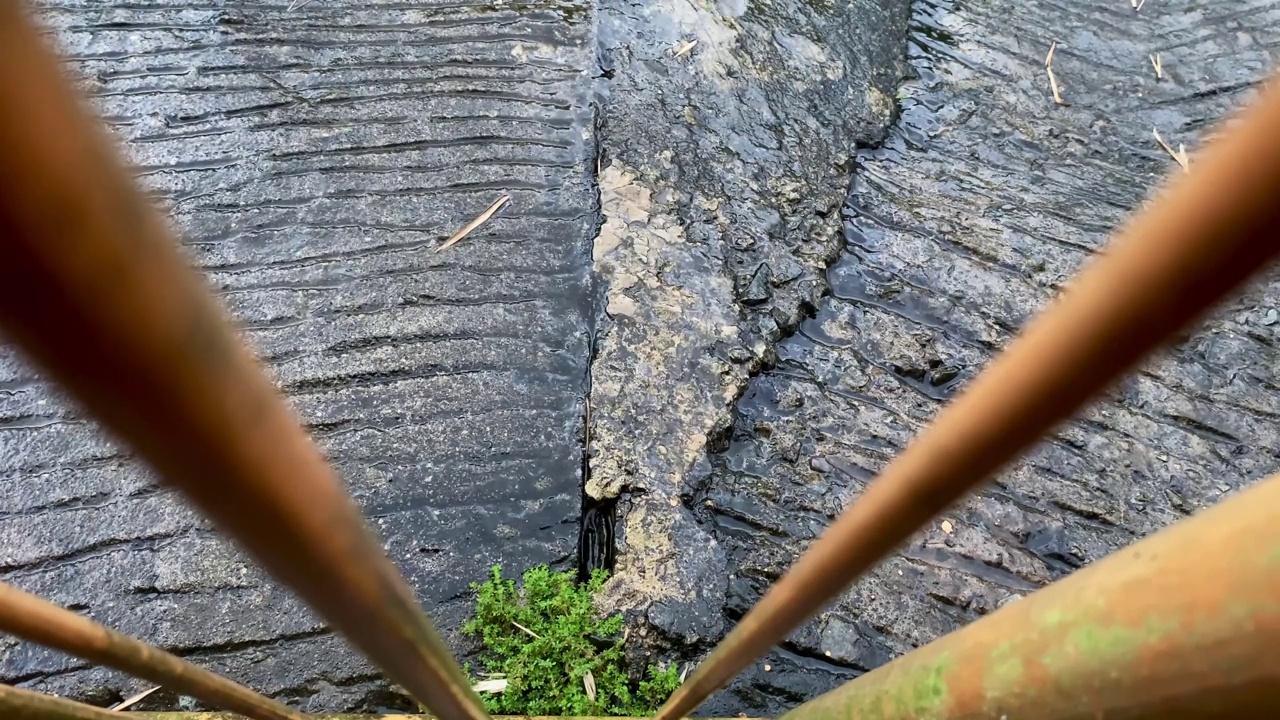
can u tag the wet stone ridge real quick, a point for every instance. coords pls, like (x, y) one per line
(313, 159)
(726, 132)
(983, 201)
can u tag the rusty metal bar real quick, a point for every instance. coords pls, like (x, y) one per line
(1180, 626)
(93, 286)
(19, 704)
(357, 716)
(1208, 231)
(39, 621)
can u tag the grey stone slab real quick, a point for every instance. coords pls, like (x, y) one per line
(313, 159)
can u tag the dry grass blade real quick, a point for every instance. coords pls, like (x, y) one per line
(589, 685)
(480, 220)
(295, 4)
(1158, 65)
(1137, 4)
(1179, 155)
(491, 686)
(1053, 79)
(684, 48)
(132, 700)
(531, 633)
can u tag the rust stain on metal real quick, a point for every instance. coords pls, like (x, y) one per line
(39, 621)
(1181, 625)
(1200, 239)
(94, 288)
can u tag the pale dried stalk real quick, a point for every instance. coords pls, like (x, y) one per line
(480, 220)
(684, 48)
(1053, 80)
(1179, 155)
(491, 686)
(531, 633)
(133, 700)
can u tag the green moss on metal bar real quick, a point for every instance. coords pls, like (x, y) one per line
(1274, 555)
(1053, 618)
(1004, 670)
(1101, 645)
(919, 692)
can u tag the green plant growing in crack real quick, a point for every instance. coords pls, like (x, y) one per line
(557, 656)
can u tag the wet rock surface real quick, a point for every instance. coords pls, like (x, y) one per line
(984, 199)
(677, 252)
(726, 136)
(314, 159)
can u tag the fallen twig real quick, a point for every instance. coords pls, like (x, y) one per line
(1180, 155)
(531, 633)
(491, 686)
(1158, 65)
(684, 48)
(132, 700)
(589, 685)
(480, 220)
(1053, 80)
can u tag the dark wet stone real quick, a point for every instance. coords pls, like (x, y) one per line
(853, 643)
(754, 289)
(980, 204)
(787, 271)
(943, 375)
(313, 160)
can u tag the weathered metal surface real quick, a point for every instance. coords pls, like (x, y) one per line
(352, 716)
(1204, 235)
(312, 159)
(1180, 625)
(39, 621)
(93, 287)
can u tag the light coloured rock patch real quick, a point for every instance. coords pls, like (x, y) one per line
(671, 306)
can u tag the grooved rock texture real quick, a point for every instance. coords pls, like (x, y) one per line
(764, 340)
(313, 159)
(983, 200)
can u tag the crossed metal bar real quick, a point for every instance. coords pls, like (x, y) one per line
(94, 289)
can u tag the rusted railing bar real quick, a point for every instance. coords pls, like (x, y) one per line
(358, 716)
(92, 285)
(1180, 626)
(1208, 232)
(19, 704)
(39, 621)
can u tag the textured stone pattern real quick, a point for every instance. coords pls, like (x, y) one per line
(313, 159)
(983, 201)
(724, 166)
